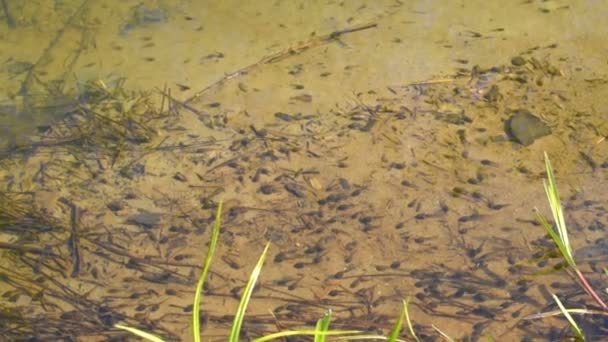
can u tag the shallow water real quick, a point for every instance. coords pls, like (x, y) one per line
(365, 141)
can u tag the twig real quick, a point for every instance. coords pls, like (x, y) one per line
(28, 249)
(167, 94)
(30, 73)
(74, 242)
(338, 34)
(277, 56)
(162, 100)
(559, 313)
(429, 82)
(82, 45)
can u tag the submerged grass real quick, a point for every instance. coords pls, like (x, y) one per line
(196, 323)
(559, 235)
(320, 332)
(406, 314)
(322, 327)
(577, 330)
(240, 312)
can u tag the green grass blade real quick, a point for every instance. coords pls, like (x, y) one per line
(553, 194)
(410, 326)
(577, 330)
(369, 337)
(196, 328)
(322, 327)
(289, 333)
(557, 211)
(557, 240)
(398, 325)
(240, 313)
(140, 333)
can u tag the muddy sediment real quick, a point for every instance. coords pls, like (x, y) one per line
(414, 190)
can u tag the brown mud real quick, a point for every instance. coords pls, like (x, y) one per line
(414, 189)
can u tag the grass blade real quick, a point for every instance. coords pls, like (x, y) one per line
(563, 249)
(560, 238)
(409, 321)
(398, 324)
(556, 208)
(322, 327)
(140, 333)
(446, 336)
(289, 333)
(240, 313)
(558, 214)
(577, 330)
(196, 329)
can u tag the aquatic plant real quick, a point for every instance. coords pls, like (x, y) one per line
(559, 235)
(320, 332)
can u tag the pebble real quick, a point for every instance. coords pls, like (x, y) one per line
(524, 127)
(116, 205)
(518, 61)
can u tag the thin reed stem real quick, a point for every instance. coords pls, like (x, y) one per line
(590, 290)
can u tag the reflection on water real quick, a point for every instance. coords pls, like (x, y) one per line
(386, 151)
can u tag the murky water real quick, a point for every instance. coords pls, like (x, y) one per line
(387, 150)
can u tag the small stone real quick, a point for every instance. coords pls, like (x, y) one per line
(116, 205)
(524, 127)
(518, 61)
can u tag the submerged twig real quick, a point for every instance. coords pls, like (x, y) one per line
(171, 100)
(28, 249)
(74, 241)
(277, 56)
(45, 54)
